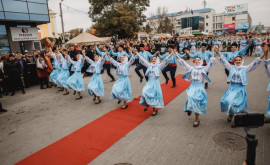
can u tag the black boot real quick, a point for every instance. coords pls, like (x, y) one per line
(205, 85)
(174, 84)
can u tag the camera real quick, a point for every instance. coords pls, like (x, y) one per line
(250, 120)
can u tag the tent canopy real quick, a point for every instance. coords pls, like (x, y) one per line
(85, 38)
(197, 33)
(186, 35)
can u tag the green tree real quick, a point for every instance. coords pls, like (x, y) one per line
(121, 17)
(75, 32)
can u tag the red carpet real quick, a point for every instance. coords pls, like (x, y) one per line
(85, 144)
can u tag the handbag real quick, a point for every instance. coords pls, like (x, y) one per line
(39, 65)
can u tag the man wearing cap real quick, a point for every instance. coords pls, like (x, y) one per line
(119, 53)
(231, 55)
(172, 66)
(14, 77)
(147, 56)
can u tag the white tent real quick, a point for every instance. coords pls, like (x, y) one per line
(85, 38)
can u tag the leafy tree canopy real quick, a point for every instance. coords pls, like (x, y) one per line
(121, 17)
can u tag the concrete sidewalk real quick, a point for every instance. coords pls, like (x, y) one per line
(41, 117)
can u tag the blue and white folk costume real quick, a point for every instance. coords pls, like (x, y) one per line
(204, 55)
(196, 94)
(75, 81)
(234, 100)
(152, 93)
(267, 69)
(119, 54)
(193, 48)
(258, 48)
(57, 68)
(64, 74)
(181, 47)
(95, 86)
(121, 89)
(243, 43)
(231, 55)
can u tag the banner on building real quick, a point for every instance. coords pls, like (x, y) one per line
(242, 25)
(236, 8)
(241, 17)
(24, 33)
(229, 26)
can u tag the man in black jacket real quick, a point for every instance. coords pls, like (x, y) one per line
(13, 74)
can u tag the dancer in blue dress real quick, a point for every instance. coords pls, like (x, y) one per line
(258, 48)
(121, 89)
(234, 100)
(193, 48)
(196, 94)
(152, 93)
(64, 75)
(57, 65)
(205, 56)
(60, 62)
(181, 46)
(267, 69)
(75, 81)
(95, 86)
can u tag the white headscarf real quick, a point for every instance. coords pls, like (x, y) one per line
(198, 66)
(240, 66)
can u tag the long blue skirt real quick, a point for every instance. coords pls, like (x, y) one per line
(196, 98)
(95, 85)
(152, 94)
(75, 82)
(61, 81)
(54, 75)
(121, 89)
(268, 108)
(234, 100)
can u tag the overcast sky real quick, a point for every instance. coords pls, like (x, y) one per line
(258, 9)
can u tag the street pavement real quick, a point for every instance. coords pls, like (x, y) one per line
(41, 117)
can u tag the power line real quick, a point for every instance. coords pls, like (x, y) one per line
(74, 9)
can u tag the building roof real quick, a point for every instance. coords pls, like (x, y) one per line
(206, 10)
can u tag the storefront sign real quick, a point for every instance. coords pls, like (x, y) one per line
(242, 25)
(24, 33)
(236, 8)
(241, 17)
(229, 26)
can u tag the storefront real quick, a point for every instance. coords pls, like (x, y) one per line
(18, 24)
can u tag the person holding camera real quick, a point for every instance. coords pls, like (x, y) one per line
(234, 100)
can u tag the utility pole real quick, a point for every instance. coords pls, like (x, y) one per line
(62, 22)
(204, 3)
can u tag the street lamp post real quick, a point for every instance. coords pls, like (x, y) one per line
(62, 22)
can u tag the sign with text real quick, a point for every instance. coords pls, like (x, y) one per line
(229, 26)
(236, 8)
(241, 17)
(24, 33)
(242, 25)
